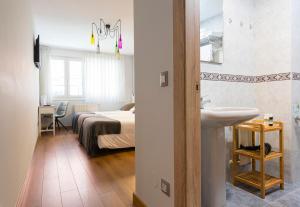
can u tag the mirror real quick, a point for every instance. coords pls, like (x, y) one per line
(211, 31)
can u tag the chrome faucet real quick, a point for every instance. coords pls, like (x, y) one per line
(204, 102)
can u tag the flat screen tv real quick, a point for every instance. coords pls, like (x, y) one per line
(37, 52)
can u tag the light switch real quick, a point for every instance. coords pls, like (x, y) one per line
(164, 79)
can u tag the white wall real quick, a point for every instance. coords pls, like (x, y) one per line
(295, 24)
(295, 86)
(238, 57)
(154, 109)
(272, 49)
(19, 97)
(238, 40)
(272, 38)
(129, 82)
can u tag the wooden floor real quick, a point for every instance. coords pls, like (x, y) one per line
(63, 175)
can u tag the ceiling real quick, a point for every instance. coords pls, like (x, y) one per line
(210, 8)
(67, 23)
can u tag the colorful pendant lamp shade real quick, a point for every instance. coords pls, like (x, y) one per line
(92, 39)
(118, 55)
(105, 30)
(116, 47)
(120, 45)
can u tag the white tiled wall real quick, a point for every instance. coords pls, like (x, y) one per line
(237, 40)
(296, 86)
(271, 46)
(272, 36)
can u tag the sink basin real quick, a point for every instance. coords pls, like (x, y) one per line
(213, 150)
(226, 116)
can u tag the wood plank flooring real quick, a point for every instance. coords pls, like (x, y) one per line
(63, 175)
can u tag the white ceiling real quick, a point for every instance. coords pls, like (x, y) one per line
(210, 8)
(67, 23)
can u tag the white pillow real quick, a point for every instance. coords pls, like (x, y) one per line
(132, 109)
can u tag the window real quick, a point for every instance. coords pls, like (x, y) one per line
(66, 77)
(58, 77)
(98, 78)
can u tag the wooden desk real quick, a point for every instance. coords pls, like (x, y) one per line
(49, 110)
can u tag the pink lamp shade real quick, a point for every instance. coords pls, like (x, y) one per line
(120, 44)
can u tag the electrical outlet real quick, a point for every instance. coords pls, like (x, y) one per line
(165, 187)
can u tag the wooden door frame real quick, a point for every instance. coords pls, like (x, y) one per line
(187, 129)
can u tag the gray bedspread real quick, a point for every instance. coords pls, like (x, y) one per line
(75, 118)
(92, 127)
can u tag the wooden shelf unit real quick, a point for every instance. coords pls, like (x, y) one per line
(254, 178)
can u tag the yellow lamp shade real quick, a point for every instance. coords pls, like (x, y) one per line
(92, 39)
(118, 55)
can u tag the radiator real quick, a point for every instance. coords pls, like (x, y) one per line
(85, 107)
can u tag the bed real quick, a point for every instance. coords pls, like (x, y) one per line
(105, 130)
(126, 138)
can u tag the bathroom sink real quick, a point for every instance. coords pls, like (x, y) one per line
(226, 116)
(213, 150)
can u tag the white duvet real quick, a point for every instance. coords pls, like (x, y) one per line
(126, 138)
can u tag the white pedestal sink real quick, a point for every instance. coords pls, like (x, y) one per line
(213, 121)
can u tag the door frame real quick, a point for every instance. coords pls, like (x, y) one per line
(187, 129)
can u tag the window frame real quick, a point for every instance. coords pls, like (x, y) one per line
(67, 95)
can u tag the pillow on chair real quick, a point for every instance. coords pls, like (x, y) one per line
(127, 107)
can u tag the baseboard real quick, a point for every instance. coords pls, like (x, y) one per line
(137, 202)
(23, 190)
(28, 177)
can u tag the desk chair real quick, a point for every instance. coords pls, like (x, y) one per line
(61, 113)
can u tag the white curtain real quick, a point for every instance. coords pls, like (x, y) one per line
(104, 79)
(45, 74)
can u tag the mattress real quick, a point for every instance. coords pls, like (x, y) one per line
(126, 138)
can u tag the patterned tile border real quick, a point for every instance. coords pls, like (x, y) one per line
(273, 77)
(296, 76)
(249, 79)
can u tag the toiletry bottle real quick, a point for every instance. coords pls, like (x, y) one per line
(271, 120)
(266, 119)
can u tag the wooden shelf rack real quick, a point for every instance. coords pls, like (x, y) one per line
(254, 178)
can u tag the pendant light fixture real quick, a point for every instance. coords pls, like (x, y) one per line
(98, 47)
(103, 30)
